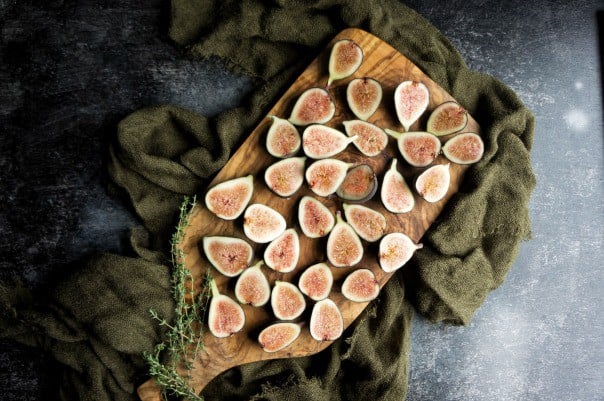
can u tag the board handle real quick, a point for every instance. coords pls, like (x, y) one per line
(149, 391)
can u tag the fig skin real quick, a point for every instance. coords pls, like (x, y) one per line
(229, 199)
(295, 302)
(314, 106)
(262, 224)
(418, 148)
(369, 224)
(395, 194)
(359, 185)
(345, 59)
(433, 184)
(411, 100)
(320, 141)
(283, 252)
(326, 322)
(254, 282)
(466, 148)
(225, 316)
(278, 336)
(364, 96)
(325, 176)
(283, 139)
(316, 281)
(344, 247)
(285, 177)
(315, 219)
(229, 255)
(360, 286)
(447, 118)
(371, 139)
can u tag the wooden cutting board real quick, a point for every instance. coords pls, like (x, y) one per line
(389, 67)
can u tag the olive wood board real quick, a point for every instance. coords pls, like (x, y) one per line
(389, 67)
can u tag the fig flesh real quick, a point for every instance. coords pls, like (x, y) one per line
(283, 252)
(466, 148)
(262, 224)
(286, 176)
(411, 100)
(229, 255)
(360, 286)
(225, 316)
(371, 139)
(314, 106)
(316, 281)
(363, 96)
(252, 287)
(314, 218)
(344, 247)
(419, 149)
(447, 118)
(326, 175)
(326, 322)
(369, 224)
(395, 250)
(320, 141)
(283, 139)
(359, 185)
(433, 184)
(229, 199)
(345, 58)
(287, 301)
(395, 194)
(278, 336)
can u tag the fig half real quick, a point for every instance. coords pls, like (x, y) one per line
(466, 148)
(371, 139)
(252, 287)
(316, 281)
(262, 224)
(447, 118)
(364, 96)
(225, 316)
(345, 58)
(287, 301)
(283, 139)
(286, 176)
(344, 247)
(283, 252)
(419, 149)
(326, 175)
(314, 106)
(411, 100)
(369, 224)
(315, 219)
(396, 195)
(433, 184)
(229, 255)
(359, 185)
(278, 336)
(395, 250)
(326, 322)
(320, 141)
(360, 286)
(228, 199)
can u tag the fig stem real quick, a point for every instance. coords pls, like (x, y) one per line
(214, 288)
(394, 134)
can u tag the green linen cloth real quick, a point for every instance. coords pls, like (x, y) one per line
(96, 324)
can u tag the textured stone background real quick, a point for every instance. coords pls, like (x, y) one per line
(71, 70)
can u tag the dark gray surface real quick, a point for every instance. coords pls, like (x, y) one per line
(71, 70)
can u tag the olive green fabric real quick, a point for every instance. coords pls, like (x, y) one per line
(96, 323)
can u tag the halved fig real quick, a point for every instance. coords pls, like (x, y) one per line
(315, 218)
(283, 252)
(395, 250)
(278, 336)
(326, 175)
(228, 199)
(252, 287)
(364, 96)
(371, 139)
(287, 301)
(411, 100)
(359, 185)
(225, 316)
(316, 281)
(286, 176)
(448, 118)
(345, 58)
(229, 255)
(262, 224)
(395, 194)
(320, 141)
(314, 106)
(419, 149)
(344, 247)
(283, 139)
(326, 322)
(466, 148)
(369, 224)
(360, 286)
(433, 184)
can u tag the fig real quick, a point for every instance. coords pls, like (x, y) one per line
(396, 195)
(466, 148)
(411, 99)
(252, 287)
(262, 224)
(314, 218)
(363, 96)
(229, 255)
(395, 250)
(371, 139)
(325, 176)
(433, 184)
(314, 106)
(287, 301)
(447, 118)
(228, 199)
(369, 224)
(419, 149)
(316, 281)
(344, 247)
(320, 141)
(345, 58)
(326, 322)
(360, 286)
(225, 316)
(286, 176)
(359, 185)
(278, 336)
(283, 139)
(283, 252)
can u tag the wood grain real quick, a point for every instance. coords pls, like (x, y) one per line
(389, 67)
